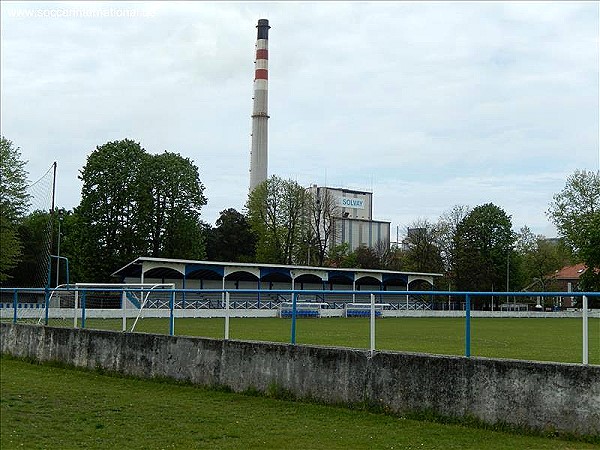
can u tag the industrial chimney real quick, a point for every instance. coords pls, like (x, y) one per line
(260, 114)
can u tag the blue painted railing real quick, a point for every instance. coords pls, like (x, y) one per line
(171, 293)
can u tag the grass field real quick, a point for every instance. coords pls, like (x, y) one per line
(52, 407)
(555, 339)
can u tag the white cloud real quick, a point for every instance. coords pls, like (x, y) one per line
(429, 104)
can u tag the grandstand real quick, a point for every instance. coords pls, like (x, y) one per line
(197, 276)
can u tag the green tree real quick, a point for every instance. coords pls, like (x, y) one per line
(483, 242)
(14, 201)
(173, 204)
(576, 213)
(232, 239)
(366, 258)
(323, 209)
(394, 259)
(421, 248)
(536, 257)
(111, 209)
(336, 255)
(135, 204)
(277, 215)
(34, 234)
(446, 232)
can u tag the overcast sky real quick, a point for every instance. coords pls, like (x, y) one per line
(426, 104)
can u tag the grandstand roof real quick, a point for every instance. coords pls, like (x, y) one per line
(198, 269)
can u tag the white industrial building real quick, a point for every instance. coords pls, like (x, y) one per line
(353, 222)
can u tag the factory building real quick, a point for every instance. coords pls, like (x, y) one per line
(352, 218)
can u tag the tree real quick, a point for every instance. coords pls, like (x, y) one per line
(366, 258)
(323, 210)
(111, 208)
(176, 197)
(232, 239)
(482, 245)
(34, 235)
(536, 257)
(277, 214)
(135, 204)
(336, 255)
(576, 213)
(393, 259)
(421, 247)
(14, 201)
(446, 232)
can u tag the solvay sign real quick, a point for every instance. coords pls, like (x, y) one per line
(356, 203)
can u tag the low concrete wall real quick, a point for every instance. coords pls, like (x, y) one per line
(541, 396)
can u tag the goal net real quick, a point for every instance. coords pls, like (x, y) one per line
(108, 306)
(303, 309)
(363, 309)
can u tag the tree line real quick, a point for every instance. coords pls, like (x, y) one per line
(134, 203)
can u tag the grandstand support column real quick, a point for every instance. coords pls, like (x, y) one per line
(354, 289)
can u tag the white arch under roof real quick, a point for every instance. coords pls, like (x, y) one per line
(322, 274)
(229, 270)
(361, 274)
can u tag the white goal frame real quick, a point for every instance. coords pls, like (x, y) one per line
(144, 288)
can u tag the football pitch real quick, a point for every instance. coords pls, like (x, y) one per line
(536, 339)
(44, 406)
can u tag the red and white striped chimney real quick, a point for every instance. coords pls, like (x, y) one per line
(260, 113)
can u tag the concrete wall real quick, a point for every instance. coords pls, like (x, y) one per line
(542, 396)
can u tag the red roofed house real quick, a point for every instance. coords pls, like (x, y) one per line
(566, 280)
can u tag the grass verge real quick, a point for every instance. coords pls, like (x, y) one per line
(48, 406)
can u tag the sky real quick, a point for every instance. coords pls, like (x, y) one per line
(426, 104)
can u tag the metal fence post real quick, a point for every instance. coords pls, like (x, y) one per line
(47, 303)
(227, 315)
(585, 330)
(172, 313)
(294, 298)
(15, 304)
(124, 311)
(83, 309)
(76, 306)
(372, 328)
(468, 326)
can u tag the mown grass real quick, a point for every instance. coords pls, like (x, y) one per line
(537, 339)
(45, 406)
